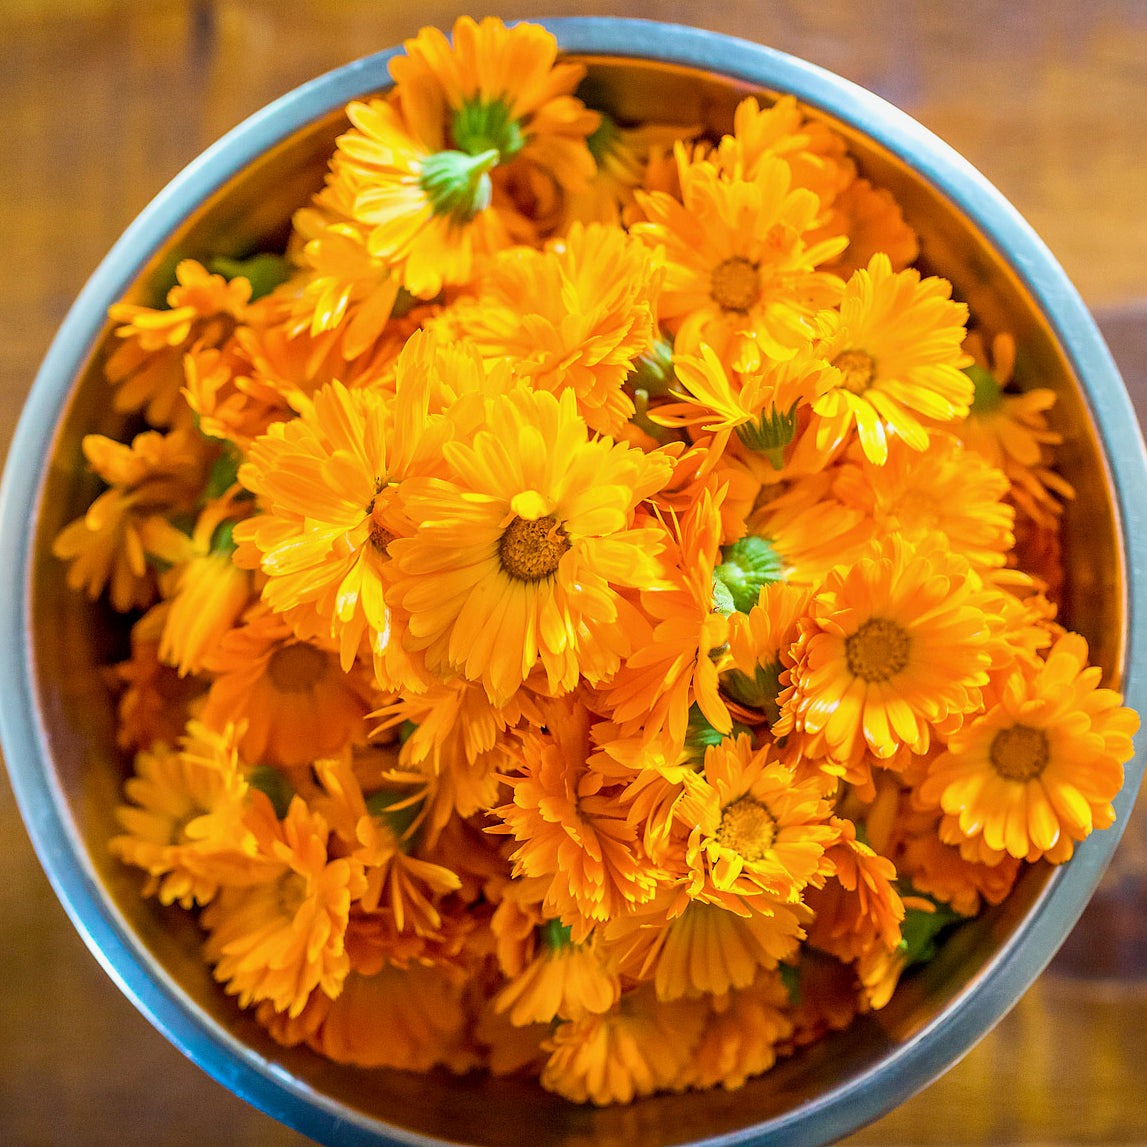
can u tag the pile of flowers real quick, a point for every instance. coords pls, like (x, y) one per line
(592, 598)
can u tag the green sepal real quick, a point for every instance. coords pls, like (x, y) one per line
(556, 935)
(653, 369)
(746, 565)
(391, 808)
(222, 541)
(224, 473)
(458, 184)
(700, 735)
(757, 692)
(791, 978)
(479, 126)
(723, 601)
(264, 271)
(987, 393)
(770, 434)
(920, 930)
(274, 786)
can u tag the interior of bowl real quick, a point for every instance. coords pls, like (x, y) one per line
(884, 1051)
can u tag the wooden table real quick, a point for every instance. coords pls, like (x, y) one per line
(103, 101)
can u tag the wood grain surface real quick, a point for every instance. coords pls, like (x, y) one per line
(103, 101)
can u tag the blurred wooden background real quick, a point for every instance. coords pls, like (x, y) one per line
(103, 101)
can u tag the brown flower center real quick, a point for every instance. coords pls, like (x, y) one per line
(296, 668)
(747, 828)
(531, 550)
(735, 284)
(877, 650)
(380, 536)
(1019, 752)
(857, 370)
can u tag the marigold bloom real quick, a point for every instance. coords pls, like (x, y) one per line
(641, 1046)
(158, 476)
(689, 947)
(292, 696)
(741, 1036)
(759, 644)
(412, 1018)
(656, 685)
(816, 155)
(188, 824)
(895, 340)
(1038, 771)
(761, 406)
(147, 367)
(944, 488)
(379, 833)
(893, 645)
(1010, 429)
(873, 221)
(572, 317)
(564, 980)
(738, 273)
(860, 906)
(281, 939)
(572, 831)
(752, 828)
(329, 484)
(520, 556)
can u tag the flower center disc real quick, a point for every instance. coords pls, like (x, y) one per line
(735, 284)
(857, 370)
(747, 828)
(531, 550)
(295, 668)
(877, 650)
(1019, 753)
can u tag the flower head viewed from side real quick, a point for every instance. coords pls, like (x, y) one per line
(593, 599)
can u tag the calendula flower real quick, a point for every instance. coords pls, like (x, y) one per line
(563, 981)
(859, 906)
(501, 88)
(281, 939)
(292, 696)
(154, 479)
(759, 644)
(520, 556)
(691, 947)
(817, 156)
(154, 700)
(641, 1046)
(194, 822)
(572, 317)
(346, 288)
(944, 488)
(328, 482)
(809, 528)
(892, 646)
(571, 831)
(872, 220)
(940, 871)
(1010, 429)
(207, 591)
(761, 406)
(738, 272)
(675, 668)
(412, 1018)
(1038, 771)
(379, 832)
(741, 1036)
(895, 340)
(623, 154)
(147, 367)
(753, 828)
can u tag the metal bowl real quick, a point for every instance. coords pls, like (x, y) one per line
(57, 718)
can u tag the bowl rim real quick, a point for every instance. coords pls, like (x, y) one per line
(909, 1066)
